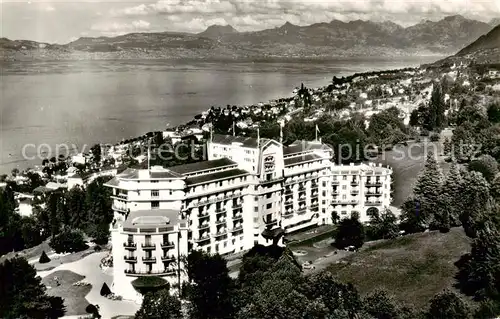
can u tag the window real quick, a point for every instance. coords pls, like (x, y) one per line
(256, 198)
(225, 244)
(269, 206)
(256, 209)
(344, 177)
(344, 196)
(155, 205)
(323, 193)
(130, 239)
(170, 192)
(343, 212)
(154, 181)
(344, 186)
(155, 193)
(323, 202)
(269, 195)
(324, 184)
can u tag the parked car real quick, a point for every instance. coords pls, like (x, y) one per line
(308, 265)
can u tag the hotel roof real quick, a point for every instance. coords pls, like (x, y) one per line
(226, 174)
(304, 146)
(301, 159)
(152, 218)
(229, 139)
(202, 166)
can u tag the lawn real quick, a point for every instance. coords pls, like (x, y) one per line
(413, 268)
(74, 296)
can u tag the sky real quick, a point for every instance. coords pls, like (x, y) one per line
(62, 21)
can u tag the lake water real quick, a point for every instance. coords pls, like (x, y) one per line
(82, 103)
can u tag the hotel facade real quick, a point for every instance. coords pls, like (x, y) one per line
(249, 191)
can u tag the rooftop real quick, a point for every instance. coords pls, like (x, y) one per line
(216, 176)
(152, 218)
(301, 159)
(304, 146)
(229, 139)
(202, 166)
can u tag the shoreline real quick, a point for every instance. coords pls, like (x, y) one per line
(31, 164)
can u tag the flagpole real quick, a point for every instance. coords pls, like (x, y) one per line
(316, 132)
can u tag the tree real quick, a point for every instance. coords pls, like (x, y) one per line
(160, 305)
(98, 206)
(464, 141)
(68, 241)
(210, 293)
(474, 201)
(427, 188)
(105, 290)
(381, 305)
(448, 305)
(447, 148)
(412, 219)
(96, 153)
(22, 295)
(414, 118)
(350, 232)
(435, 117)
(494, 113)
(44, 258)
(383, 225)
(486, 165)
(449, 206)
(75, 199)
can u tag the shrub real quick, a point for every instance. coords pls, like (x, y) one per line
(68, 241)
(105, 290)
(435, 137)
(424, 132)
(97, 248)
(44, 258)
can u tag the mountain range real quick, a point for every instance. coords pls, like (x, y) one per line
(327, 39)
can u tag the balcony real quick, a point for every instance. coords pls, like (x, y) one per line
(203, 215)
(274, 180)
(288, 191)
(122, 209)
(220, 211)
(373, 183)
(236, 229)
(220, 234)
(237, 217)
(335, 192)
(237, 206)
(314, 186)
(354, 183)
(130, 259)
(288, 214)
(165, 272)
(220, 222)
(289, 200)
(302, 189)
(167, 245)
(167, 258)
(148, 246)
(130, 245)
(271, 222)
(302, 211)
(372, 193)
(204, 226)
(202, 239)
(335, 182)
(354, 192)
(149, 260)
(377, 203)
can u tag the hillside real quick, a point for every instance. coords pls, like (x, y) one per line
(413, 268)
(486, 49)
(327, 39)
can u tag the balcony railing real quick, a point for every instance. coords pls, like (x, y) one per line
(130, 259)
(220, 222)
(148, 259)
(215, 200)
(220, 211)
(167, 258)
(148, 246)
(374, 183)
(202, 239)
(373, 203)
(136, 273)
(237, 206)
(355, 192)
(335, 182)
(271, 223)
(302, 211)
(167, 245)
(237, 229)
(236, 217)
(203, 215)
(220, 234)
(354, 183)
(130, 245)
(314, 186)
(204, 226)
(274, 180)
(372, 193)
(288, 214)
(119, 208)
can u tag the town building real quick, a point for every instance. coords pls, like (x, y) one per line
(249, 191)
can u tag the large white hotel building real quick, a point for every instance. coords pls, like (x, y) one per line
(249, 191)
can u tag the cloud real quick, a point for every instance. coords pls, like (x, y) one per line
(48, 8)
(118, 28)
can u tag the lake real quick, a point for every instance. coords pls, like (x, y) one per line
(85, 102)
